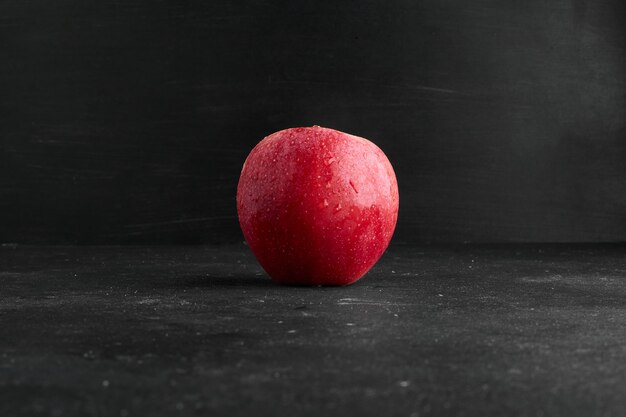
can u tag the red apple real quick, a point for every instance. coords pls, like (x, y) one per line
(317, 206)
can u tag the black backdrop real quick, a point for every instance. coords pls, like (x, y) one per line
(128, 121)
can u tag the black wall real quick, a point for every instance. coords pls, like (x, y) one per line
(128, 121)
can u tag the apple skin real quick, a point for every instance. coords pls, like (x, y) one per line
(317, 206)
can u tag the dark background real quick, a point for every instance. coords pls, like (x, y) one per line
(128, 121)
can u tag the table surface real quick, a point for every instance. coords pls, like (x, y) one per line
(516, 330)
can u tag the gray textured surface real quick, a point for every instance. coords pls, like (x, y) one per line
(448, 331)
(129, 121)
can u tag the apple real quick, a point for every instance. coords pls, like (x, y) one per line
(317, 206)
